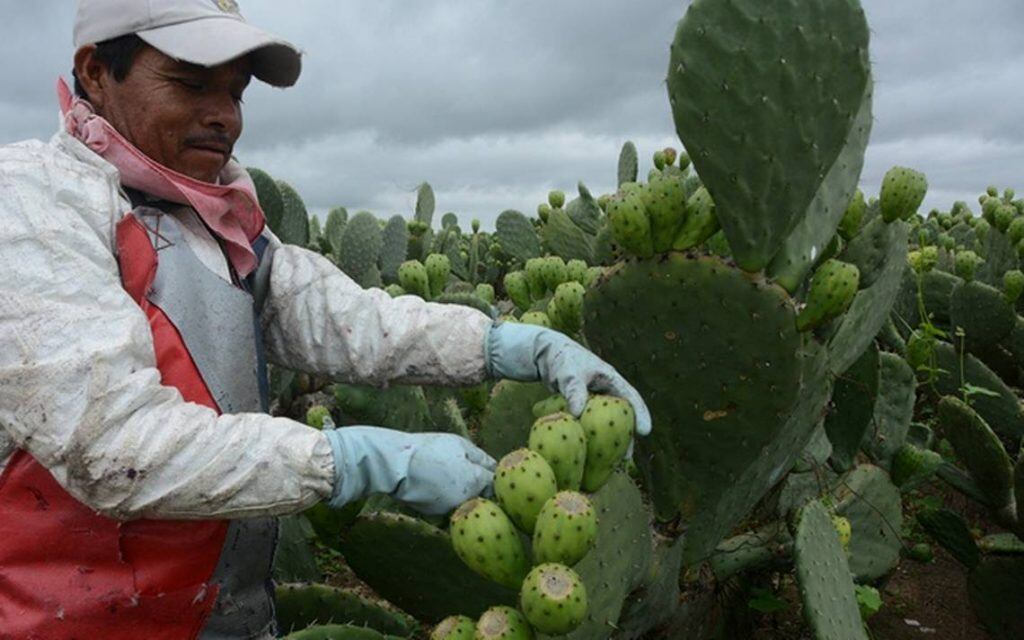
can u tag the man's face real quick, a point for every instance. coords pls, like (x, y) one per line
(183, 116)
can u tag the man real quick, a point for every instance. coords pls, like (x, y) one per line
(141, 294)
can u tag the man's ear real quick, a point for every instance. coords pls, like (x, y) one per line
(92, 75)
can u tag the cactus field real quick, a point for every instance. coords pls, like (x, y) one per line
(835, 377)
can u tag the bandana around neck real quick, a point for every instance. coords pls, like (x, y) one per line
(230, 210)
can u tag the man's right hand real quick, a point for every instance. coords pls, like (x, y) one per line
(431, 472)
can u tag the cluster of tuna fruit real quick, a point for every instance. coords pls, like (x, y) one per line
(562, 283)
(539, 492)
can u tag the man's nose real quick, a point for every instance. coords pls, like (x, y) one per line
(221, 111)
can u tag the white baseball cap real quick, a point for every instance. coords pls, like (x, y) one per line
(202, 32)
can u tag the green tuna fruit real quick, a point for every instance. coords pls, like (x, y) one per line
(665, 203)
(439, 268)
(947, 241)
(1013, 286)
(593, 273)
(568, 306)
(559, 439)
(394, 290)
(566, 529)
(844, 529)
(518, 289)
(1015, 232)
(670, 156)
(502, 623)
(924, 259)
(556, 199)
(547, 406)
(833, 287)
(485, 292)
(523, 482)
(911, 464)
(659, 160)
(487, 542)
(966, 264)
(854, 216)
(553, 599)
(1004, 216)
(989, 206)
(554, 272)
(700, 223)
(543, 211)
(576, 270)
(538, 318)
(630, 226)
(454, 628)
(608, 423)
(317, 415)
(475, 225)
(412, 276)
(903, 191)
(535, 277)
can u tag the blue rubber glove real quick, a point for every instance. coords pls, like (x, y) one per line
(528, 352)
(431, 472)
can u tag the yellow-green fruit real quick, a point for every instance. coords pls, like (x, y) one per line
(844, 530)
(518, 289)
(566, 308)
(535, 277)
(317, 415)
(556, 199)
(549, 405)
(485, 539)
(523, 482)
(439, 268)
(608, 423)
(833, 287)
(903, 191)
(576, 270)
(454, 628)
(700, 222)
(502, 623)
(924, 259)
(554, 272)
(538, 318)
(412, 276)
(559, 439)
(853, 216)
(630, 226)
(553, 599)
(665, 203)
(566, 529)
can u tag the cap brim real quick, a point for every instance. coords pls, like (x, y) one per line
(213, 41)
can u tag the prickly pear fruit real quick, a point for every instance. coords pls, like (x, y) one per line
(665, 204)
(568, 308)
(924, 259)
(559, 439)
(547, 406)
(576, 270)
(700, 223)
(555, 272)
(518, 289)
(910, 464)
(566, 529)
(535, 277)
(487, 541)
(903, 191)
(439, 267)
(454, 628)
(659, 159)
(1013, 286)
(946, 241)
(538, 318)
(1005, 213)
(630, 225)
(850, 224)
(553, 599)
(593, 273)
(670, 156)
(475, 225)
(833, 287)
(485, 292)
(556, 199)
(412, 276)
(1015, 232)
(608, 423)
(844, 530)
(966, 264)
(316, 415)
(502, 623)
(523, 482)
(543, 211)
(394, 290)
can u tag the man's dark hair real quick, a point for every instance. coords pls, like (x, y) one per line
(117, 54)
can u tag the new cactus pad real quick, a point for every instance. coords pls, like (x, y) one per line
(566, 529)
(523, 482)
(553, 599)
(487, 541)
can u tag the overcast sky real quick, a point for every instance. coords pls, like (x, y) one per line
(494, 103)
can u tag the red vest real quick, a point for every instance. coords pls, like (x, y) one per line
(67, 573)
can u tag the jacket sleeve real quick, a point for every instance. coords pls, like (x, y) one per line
(79, 388)
(316, 319)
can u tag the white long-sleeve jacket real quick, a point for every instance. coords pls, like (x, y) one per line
(79, 388)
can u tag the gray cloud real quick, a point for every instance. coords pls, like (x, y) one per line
(496, 102)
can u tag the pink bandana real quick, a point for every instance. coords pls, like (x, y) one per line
(230, 210)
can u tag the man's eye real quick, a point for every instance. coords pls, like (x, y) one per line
(189, 84)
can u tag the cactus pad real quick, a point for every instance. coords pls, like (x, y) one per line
(298, 606)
